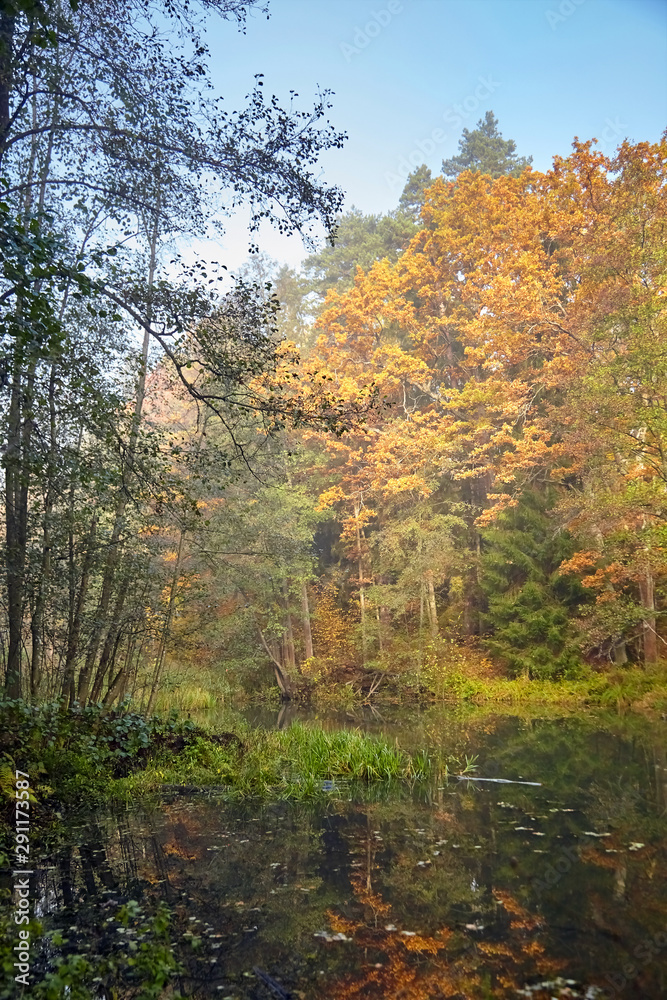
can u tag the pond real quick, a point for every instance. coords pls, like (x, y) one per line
(464, 888)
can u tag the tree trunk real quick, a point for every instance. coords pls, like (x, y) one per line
(282, 679)
(15, 550)
(422, 602)
(74, 631)
(119, 683)
(362, 592)
(647, 593)
(379, 621)
(305, 619)
(7, 25)
(620, 653)
(133, 662)
(288, 639)
(159, 660)
(114, 690)
(430, 604)
(36, 624)
(110, 646)
(113, 554)
(17, 482)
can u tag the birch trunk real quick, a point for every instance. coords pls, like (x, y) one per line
(362, 592)
(305, 619)
(430, 604)
(159, 660)
(647, 593)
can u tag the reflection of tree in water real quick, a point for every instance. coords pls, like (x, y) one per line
(102, 862)
(455, 864)
(389, 957)
(84, 895)
(412, 966)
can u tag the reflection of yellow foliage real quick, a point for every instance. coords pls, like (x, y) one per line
(495, 948)
(413, 966)
(522, 919)
(397, 975)
(366, 895)
(444, 817)
(595, 857)
(179, 852)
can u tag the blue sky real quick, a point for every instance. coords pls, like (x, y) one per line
(409, 75)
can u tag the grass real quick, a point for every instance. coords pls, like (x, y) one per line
(460, 675)
(297, 763)
(181, 692)
(189, 698)
(94, 757)
(464, 681)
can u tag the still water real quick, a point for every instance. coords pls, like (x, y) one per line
(461, 889)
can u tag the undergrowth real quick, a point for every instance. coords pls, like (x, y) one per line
(450, 674)
(111, 954)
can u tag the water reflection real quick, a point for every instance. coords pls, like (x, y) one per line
(462, 889)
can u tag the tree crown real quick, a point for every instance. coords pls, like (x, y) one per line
(485, 151)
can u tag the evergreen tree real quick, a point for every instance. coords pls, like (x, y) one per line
(485, 151)
(360, 240)
(412, 198)
(530, 604)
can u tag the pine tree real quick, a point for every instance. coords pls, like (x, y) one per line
(412, 197)
(360, 241)
(530, 604)
(485, 151)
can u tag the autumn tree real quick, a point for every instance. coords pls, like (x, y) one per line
(516, 343)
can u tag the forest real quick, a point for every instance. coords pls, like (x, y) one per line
(441, 440)
(446, 430)
(325, 589)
